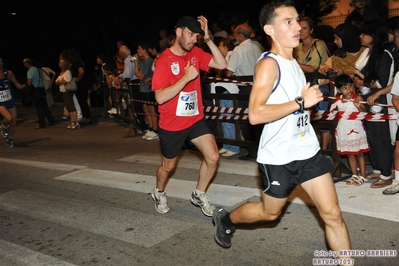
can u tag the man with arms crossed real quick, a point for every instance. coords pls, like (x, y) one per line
(289, 152)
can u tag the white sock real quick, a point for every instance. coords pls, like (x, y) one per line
(161, 193)
(383, 177)
(199, 192)
(397, 175)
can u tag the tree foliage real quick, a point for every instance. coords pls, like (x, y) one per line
(316, 8)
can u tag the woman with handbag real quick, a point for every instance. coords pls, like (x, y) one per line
(78, 73)
(68, 87)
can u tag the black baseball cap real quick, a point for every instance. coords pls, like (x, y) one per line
(191, 23)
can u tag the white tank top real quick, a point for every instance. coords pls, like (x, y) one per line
(292, 137)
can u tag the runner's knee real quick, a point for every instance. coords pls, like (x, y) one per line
(7, 118)
(168, 167)
(269, 215)
(331, 215)
(212, 159)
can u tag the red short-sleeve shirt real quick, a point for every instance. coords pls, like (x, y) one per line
(169, 69)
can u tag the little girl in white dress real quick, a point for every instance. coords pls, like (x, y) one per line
(350, 134)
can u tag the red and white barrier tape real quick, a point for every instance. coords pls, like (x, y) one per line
(234, 113)
(146, 102)
(230, 113)
(226, 110)
(337, 115)
(240, 114)
(316, 115)
(210, 78)
(364, 102)
(247, 83)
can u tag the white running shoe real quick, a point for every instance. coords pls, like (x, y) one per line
(161, 203)
(203, 202)
(145, 134)
(151, 136)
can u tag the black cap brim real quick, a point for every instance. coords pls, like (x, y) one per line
(191, 23)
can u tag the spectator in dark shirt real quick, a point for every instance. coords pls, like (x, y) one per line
(364, 8)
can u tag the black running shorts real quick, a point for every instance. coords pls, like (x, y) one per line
(173, 141)
(280, 180)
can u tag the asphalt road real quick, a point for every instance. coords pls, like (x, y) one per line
(82, 197)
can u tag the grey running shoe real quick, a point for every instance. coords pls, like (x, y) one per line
(145, 134)
(222, 235)
(161, 203)
(392, 189)
(5, 131)
(10, 143)
(203, 202)
(151, 135)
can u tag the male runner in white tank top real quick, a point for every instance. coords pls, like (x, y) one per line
(289, 152)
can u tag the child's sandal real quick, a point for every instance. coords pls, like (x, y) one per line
(360, 180)
(352, 180)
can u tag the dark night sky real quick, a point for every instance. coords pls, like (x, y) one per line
(44, 33)
(42, 29)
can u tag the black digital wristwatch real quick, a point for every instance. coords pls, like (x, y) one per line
(300, 101)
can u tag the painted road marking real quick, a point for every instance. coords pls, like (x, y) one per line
(117, 223)
(361, 200)
(44, 165)
(219, 194)
(191, 160)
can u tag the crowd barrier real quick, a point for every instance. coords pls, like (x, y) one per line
(238, 116)
(215, 115)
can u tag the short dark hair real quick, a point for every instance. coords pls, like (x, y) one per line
(342, 80)
(267, 13)
(144, 45)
